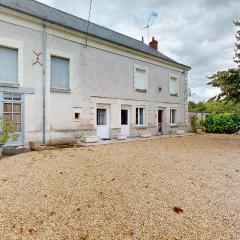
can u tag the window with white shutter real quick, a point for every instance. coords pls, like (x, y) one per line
(140, 78)
(8, 65)
(59, 73)
(173, 86)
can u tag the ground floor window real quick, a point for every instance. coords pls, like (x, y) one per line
(12, 110)
(140, 116)
(101, 116)
(173, 116)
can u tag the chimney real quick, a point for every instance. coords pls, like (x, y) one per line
(154, 44)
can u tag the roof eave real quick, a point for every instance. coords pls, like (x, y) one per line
(185, 67)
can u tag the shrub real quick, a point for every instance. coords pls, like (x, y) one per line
(193, 123)
(197, 123)
(7, 132)
(222, 123)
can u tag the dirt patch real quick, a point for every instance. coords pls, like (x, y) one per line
(178, 188)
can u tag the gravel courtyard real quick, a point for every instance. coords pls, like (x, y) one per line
(124, 191)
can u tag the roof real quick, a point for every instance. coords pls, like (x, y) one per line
(53, 15)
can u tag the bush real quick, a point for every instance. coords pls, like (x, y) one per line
(7, 132)
(222, 123)
(193, 123)
(197, 123)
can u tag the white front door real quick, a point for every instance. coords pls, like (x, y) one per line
(103, 128)
(125, 122)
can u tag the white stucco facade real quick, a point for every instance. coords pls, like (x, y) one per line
(101, 74)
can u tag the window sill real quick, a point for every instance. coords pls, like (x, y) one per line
(141, 90)
(141, 127)
(174, 95)
(60, 90)
(173, 125)
(13, 85)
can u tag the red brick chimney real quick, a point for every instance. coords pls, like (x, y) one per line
(154, 44)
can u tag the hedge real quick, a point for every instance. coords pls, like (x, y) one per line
(222, 123)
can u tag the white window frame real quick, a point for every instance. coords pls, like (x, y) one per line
(178, 85)
(68, 61)
(139, 67)
(144, 116)
(176, 116)
(18, 45)
(78, 111)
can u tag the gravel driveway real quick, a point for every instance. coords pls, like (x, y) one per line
(124, 191)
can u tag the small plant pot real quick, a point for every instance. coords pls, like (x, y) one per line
(91, 139)
(199, 131)
(146, 135)
(122, 137)
(34, 146)
(180, 132)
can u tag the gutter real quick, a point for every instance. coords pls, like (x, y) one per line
(44, 45)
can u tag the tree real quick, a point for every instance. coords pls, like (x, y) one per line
(191, 106)
(196, 107)
(213, 106)
(229, 83)
(237, 50)
(222, 107)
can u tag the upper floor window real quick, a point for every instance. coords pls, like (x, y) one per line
(140, 78)
(59, 73)
(173, 86)
(140, 116)
(8, 65)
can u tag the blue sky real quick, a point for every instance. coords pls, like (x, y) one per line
(197, 33)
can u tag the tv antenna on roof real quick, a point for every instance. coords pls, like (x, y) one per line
(151, 20)
(88, 23)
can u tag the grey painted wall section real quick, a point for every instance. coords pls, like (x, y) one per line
(95, 77)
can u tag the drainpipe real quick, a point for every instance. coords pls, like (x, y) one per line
(44, 44)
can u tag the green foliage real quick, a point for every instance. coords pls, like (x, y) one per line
(229, 83)
(191, 106)
(222, 107)
(197, 123)
(229, 80)
(237, 44)
(196, 107)
(7, 132)
(223, 123)
(215, 107)
(200, 107)
(193, 123)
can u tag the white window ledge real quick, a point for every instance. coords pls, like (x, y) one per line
(13, 85)
(60, 90)
(141, 90)
(141, 127)
(174, 125)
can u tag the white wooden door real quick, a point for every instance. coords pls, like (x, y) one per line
(103, 127)
(125, 122)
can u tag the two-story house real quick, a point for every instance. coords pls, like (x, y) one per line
(57, 81)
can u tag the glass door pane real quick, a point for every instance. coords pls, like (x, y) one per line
(101, 117)
(124, 117)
